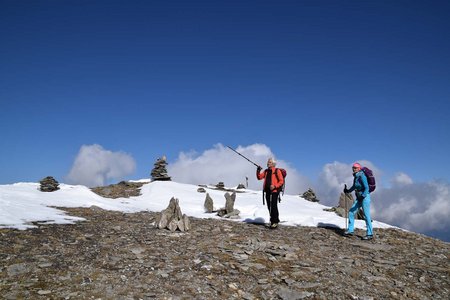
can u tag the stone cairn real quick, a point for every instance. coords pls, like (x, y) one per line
(220, 185)
(241, 186)
(229, 211)
(49, 184)
(310, 196)
(159, 172)
(171, 218)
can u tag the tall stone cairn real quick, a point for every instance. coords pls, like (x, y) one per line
(159, 172)
(48, 184)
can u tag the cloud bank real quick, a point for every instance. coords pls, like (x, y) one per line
(95, 166)
(222, 164)
(419, 207)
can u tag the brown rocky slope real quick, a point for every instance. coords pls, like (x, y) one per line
(113, 255)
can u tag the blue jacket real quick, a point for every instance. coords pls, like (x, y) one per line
(360, 185)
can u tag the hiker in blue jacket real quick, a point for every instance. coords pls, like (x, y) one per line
(361, 188)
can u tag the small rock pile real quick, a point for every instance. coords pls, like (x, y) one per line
(48, 184)
(310, 196)
(172, 218)
(159, 172)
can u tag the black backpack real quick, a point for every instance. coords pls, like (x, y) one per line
(284, 174)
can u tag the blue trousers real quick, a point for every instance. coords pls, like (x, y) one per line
(365, 204)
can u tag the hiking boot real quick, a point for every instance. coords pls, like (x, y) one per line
(348, 234)
(367, 237)
(273, 225)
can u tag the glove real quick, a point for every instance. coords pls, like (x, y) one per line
(258, 169)
(345, 189)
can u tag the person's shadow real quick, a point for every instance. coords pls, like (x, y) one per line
(336, 229)
(257, 221)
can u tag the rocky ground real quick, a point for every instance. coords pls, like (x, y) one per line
(113, 255)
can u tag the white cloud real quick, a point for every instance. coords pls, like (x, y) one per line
(222, 164)
(418, 207)
(94, 166)
(401, 179)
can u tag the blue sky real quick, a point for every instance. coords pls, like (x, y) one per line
(93, 92)
(316, 81)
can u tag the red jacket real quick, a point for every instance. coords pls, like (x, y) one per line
(277, 178)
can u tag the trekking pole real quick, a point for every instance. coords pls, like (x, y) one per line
(252, 163)
(243, 156)
(346, 212)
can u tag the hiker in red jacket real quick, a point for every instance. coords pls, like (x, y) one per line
(273, 181)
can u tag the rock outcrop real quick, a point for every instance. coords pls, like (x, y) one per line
(123, 189)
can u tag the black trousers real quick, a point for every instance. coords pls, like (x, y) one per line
(272, 205)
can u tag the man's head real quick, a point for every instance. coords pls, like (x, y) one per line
(271, 162)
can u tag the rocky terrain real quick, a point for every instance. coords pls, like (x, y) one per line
(113, 255)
